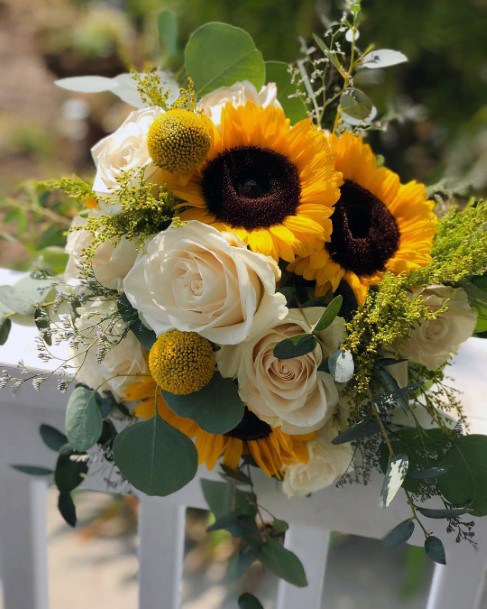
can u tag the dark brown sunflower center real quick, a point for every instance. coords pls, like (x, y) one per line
(365, 233)
(251, 187)
(250, 428)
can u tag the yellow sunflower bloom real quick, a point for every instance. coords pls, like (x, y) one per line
(271, 449)
(379, 225)
(272, 184)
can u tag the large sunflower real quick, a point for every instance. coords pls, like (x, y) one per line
(272, 184)
(271, 449)
(379, 224)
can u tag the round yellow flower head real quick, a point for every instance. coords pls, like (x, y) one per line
(179, 141)
(181, 362)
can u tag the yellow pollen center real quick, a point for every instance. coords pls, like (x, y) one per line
(181, 362)
(178, 141)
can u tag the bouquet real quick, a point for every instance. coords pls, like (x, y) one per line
(249, 286)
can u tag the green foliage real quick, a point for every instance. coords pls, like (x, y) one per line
(366, 428)
(466, 481)
(154, 457)
(249, 601)
(74, 187)
(218, 55)
(435, 550)
(151, 90)
(52, 437)
(83, 419)
(295, 346)
(224, 498)
(284, 563)
(71, 468)
(399, 534)
(144, 335)
(167, 27)
(290, 98)
(67, 509)
(5, 327)
(331, 311)
(216, 408)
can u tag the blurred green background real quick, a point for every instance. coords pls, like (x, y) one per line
(438, 97)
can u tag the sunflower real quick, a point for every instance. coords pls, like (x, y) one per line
(271, 449)
(379, 224)
(271, 184)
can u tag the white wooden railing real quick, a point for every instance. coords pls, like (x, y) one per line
(352, 510)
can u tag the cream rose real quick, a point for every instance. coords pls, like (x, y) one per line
(125, 358)
(238, 94)
(197, 279)
(327, 463)
(123, 151)
(290, 393)
(435, 341)
(110, 262)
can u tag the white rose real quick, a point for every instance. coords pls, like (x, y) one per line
(110, 263)
(125, 358)
(197, 279)
(123, 151)
(327, 463)
(435, 341)
(290, 393)
(238, 94)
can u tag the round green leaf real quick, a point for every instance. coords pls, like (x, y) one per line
(5, 327)
(295, 346)
(356, 104)
(217, 408)
(294, 107)
(399, 534)
(219, 55)
(435, 550)
(154, 457)
(465, 484)
(83, 419)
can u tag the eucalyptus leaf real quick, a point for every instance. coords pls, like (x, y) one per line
(431, 472)
(83, 419)
(356, 104)
(249, 601)
(154, 457)
(435, 550)
(284, 563)
(466, 482)
(33, 470)
(329, 314)
(445, 513)
(364, 429)
(223, 498)
(5, 327)
(241, 562)
(52, 437)
(280, 526)
(167, 27)
(217, 408)
(294, 106)
(393, 479)
(67, 508)
(331, 55)
(71, 469)
(218, 55)
(295, 346)
(382, 58)
(341, 366)
(399, 534)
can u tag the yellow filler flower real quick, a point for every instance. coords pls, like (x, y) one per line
(379, 225)
(271, 449)
(181, 362)
(271, 184)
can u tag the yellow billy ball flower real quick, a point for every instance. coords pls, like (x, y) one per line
(181, 362)
(178, 141)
